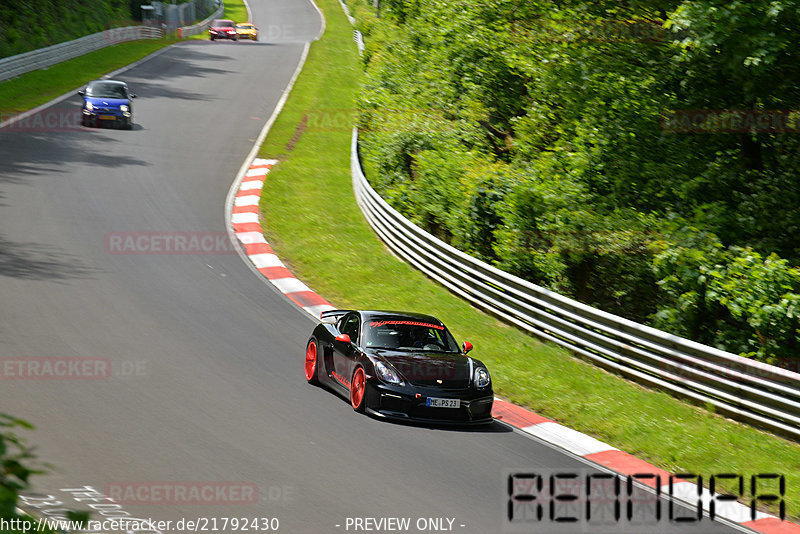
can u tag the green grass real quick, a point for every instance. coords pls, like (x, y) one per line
(236, 11)
(313, 222)
(39, 86)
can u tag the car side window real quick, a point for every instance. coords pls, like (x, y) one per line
(350, 327)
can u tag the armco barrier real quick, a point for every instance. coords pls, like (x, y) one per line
(760, 394)
(200, 27)
(13, 66)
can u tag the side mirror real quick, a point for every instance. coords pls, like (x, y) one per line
(80, 93)
(133, 95)
(344, 338)
(466, 347)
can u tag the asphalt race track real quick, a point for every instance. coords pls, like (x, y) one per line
(206, 379)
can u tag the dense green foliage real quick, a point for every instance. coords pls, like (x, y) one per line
(14, 472)
(541, 136)
(31, 24)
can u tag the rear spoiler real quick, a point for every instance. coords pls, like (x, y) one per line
(331, 316)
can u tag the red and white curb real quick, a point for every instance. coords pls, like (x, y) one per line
(247, 229)
(625, 464)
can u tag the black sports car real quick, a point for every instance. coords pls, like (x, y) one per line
(399, 365)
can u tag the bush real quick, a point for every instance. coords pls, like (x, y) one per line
(30, 25)
(17, 465)
(535, 135)
(729, 297)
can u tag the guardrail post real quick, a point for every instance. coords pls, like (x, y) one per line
(754, 392)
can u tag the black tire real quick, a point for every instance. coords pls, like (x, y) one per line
(312, 370)
(358, 390)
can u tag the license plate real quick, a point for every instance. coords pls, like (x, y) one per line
(107, 117)
(434, 402)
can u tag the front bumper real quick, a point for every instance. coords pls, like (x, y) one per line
(407, 403)
(223, 35)
(112, 116)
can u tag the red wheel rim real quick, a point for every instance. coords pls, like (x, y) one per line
(311, 360)
(357, 388)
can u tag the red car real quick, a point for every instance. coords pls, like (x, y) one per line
(223, 29)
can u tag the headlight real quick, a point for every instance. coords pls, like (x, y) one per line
(123, 108)
(387, 374)
(482, 378)
(89, 106)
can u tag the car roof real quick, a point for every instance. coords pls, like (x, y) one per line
(244, 24)
(220, 21)
(372, 314)
(107, 81)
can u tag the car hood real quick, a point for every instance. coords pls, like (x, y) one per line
(107, 102)
(221, 28)
(424, 368)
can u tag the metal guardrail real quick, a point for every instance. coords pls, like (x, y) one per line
(750, 391)
(359, 39)
(13, 66)
(202, 26)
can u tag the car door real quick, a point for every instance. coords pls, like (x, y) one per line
(344, 354)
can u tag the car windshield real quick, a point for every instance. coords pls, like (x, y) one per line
(408, 335)
(106, 90)
(223, 23)
(245, 26)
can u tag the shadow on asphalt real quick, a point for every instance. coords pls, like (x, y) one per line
(495, 427)
(40, 262)
(42, 146)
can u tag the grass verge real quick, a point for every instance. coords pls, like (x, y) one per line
(313, 222)
(236, 11)
(37, 87)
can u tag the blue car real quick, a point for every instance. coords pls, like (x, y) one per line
(107, 102)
